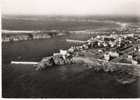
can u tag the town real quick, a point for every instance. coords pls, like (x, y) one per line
(122, 47)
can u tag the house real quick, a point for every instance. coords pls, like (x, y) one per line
(100, 51)
(56, 54)
(71, 50)
(134, 62)
(64, 53)
(130, 58)
(113, 54)
(106, 57)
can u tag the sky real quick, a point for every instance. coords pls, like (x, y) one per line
(71, 7)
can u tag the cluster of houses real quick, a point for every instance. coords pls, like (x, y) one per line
(10, 37)
(110, 46)
(107, 47)
(113, 44)
(20, 37)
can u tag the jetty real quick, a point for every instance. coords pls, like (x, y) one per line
(24, 62)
